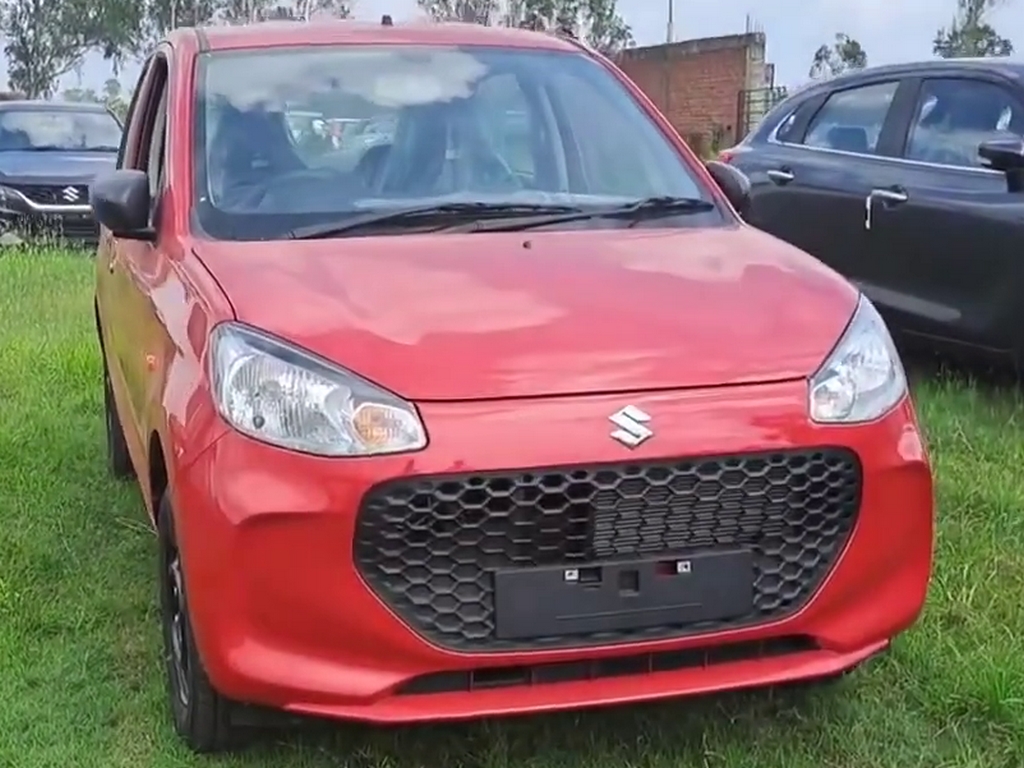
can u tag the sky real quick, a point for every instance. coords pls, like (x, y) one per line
(890, 30)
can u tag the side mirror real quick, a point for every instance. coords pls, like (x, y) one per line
(120, 202)
(734, 183)
(1006, 155)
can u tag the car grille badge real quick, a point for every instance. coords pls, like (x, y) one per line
(632, 426)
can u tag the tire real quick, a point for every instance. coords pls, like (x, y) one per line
(202, 717)
(119, 461)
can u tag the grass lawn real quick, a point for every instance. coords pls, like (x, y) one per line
(80, 675)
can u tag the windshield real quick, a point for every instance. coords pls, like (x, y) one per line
(408, 126)
(34, 129)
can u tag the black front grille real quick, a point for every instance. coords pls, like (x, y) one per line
(47, 194)
(428, 546)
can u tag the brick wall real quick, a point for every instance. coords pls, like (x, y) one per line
(697, 83)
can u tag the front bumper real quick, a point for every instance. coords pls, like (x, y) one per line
(26, 217)
(284, 618)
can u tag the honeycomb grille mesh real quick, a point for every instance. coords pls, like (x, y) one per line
(428, 546)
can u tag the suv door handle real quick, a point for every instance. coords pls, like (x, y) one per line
(781, 176)
(891, 196)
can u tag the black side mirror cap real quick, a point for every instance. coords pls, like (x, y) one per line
(120, 202)
(733, 182)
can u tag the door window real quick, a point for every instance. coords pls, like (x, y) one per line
(956, 115)
(851, 120)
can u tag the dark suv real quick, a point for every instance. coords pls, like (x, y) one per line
(49, 154)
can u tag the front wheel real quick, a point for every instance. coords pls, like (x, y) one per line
(202, 717)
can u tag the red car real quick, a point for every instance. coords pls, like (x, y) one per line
(508, 413)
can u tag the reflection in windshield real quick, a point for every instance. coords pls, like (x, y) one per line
(32, 129)
(307, 135)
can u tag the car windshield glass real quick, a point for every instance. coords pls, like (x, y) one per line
(403, 126)
(58, 129)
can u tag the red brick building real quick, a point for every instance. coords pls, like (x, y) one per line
(712, 89)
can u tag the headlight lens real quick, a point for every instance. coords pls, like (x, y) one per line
(279, 394)
(863, 377)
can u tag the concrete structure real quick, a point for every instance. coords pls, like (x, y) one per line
(711, 89)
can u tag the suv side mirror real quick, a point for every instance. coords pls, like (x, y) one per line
(1006, 155)
(120, 202)
(733, 182)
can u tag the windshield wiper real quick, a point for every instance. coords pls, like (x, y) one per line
(443, 214)
(636, 211)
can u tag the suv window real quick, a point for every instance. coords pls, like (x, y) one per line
(955, 115)
(851, 120)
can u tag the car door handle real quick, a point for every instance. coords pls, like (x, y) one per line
(781, 176)
(891, 196)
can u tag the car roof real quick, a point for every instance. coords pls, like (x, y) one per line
(24, 105)
(347, 32)
(1010, 67)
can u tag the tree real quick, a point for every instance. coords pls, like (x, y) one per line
(486, 12)
(112, 95)
(970, 34)
(843, 55)
(605, 30)
(45, 39)
(161, 16)
(595, 21)
(249, 11)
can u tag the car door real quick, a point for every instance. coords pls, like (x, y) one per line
(810, 186)
(134, 264)
(111, 278)
(951, 241)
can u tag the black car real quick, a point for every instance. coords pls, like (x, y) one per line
(908, 180)
(49, 154)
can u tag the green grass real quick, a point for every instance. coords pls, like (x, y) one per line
(80, 676)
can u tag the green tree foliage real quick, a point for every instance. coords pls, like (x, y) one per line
(970, 34)
(595, 21)
(248, 11)
(843, 55)
(46, 39)
(113, 96)
(164, 15)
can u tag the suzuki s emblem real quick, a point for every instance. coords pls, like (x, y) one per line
(70, 194)
(631, 423)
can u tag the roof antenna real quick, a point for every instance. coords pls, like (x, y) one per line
(386, 21)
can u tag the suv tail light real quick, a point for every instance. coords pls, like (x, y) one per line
(726, 155)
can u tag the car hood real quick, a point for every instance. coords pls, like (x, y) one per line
(500, 315)
(71, 166)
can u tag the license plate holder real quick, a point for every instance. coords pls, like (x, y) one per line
(612, 596)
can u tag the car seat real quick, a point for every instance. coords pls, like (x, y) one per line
(249, 149)
(848, 139)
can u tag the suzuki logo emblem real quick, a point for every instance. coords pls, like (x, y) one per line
(631, 423)
(70, 194)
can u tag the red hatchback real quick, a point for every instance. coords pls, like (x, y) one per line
(504, 411)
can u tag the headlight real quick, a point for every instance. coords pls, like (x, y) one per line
(279, 394)
(863, 378)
